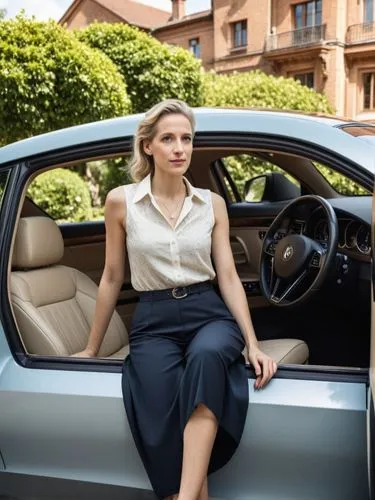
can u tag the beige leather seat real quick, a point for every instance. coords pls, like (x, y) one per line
(54, 305)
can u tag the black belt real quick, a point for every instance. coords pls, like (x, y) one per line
(179, 292)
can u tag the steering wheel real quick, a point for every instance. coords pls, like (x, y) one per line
(287, 264)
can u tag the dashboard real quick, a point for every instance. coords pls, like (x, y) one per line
(354, 233)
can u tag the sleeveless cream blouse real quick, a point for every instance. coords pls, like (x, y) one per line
(161, 256)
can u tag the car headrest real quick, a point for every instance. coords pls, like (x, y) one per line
(38, 243)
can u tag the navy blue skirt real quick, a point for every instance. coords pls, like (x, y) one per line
(183, 352)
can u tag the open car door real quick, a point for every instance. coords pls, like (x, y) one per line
(371, 398)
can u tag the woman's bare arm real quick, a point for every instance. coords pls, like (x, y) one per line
(113, 274)
(233, 293)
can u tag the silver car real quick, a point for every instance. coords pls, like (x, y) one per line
(298, 190)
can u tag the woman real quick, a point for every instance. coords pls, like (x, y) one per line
(184, 382)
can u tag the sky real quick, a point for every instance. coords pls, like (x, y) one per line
(45, 9)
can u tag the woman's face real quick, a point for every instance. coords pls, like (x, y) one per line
(172, 145)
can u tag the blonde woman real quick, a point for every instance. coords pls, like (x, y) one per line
(184, 382)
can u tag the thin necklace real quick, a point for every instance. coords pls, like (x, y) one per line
(178, 206)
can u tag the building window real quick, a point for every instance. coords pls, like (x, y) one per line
(239, 30)
(368, 11)
(305, 78)
(368, 81)
(308, 14)
(195, 47)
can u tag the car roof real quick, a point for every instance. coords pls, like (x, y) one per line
(314, 127)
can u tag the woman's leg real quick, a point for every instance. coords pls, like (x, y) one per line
(199, 437)
(204, 491)
(151, 383)
(214, 348)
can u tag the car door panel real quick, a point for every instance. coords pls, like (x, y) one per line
(86, 257)
(246, 244)
(296, 433)
(297, 444)
(77, 428)
(371, 390)
(84, 249)
(248, 225)
(246, 247)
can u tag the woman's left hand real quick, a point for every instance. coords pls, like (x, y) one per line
(265, 367)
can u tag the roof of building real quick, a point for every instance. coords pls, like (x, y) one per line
(198, 16)
(131, 11)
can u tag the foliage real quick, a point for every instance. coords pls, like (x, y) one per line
(257, 89)
(49, 80)
(340, 183)
(62, 194)
(246, 166)
(152, 70)
(113, 173)
(102, 176)
(3, 180)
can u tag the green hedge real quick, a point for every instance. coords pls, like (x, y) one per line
(62, 194)
(257, 89)
(49, 80)
(152, 70)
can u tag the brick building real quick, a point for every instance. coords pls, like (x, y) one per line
(327, 44)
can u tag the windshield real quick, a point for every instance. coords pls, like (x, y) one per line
(363, 132)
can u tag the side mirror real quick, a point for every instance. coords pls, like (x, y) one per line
(270, 187)
(254, 188)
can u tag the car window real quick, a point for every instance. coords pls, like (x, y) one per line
(359, 130)
(3, 180)
(364, 132)
(340, 183)
(246, 167)
(77, 193)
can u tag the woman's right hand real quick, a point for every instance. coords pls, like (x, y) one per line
(86, 353)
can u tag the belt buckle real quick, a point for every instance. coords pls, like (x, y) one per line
(175, 292)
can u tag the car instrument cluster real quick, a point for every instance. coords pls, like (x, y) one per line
(353, 235)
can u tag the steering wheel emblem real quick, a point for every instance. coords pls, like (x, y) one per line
(288, 252)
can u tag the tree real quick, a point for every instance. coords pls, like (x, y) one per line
(49, 80)
(3, 13)
(152, 70)
(257, 89)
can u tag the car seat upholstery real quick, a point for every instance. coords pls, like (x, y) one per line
(54, 305)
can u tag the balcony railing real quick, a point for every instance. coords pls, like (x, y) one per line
(358, 33)
(296, 38)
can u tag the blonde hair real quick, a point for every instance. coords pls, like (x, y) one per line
(141, 163)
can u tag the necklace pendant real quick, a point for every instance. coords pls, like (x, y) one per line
(171, 216)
